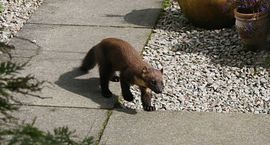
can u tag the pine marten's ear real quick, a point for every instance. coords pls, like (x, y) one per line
(144, 71)
(161, 70)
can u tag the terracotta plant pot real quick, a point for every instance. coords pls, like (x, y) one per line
(208, 14)
(252, 29)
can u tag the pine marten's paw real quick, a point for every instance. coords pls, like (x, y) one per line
(83, 69)
(149, 108)
(106, 94)
(128, 96)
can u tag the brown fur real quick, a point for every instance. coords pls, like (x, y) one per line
(114, 54)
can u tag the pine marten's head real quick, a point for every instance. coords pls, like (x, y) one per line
(153, 79)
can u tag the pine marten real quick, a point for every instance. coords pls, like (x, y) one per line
(114, 54)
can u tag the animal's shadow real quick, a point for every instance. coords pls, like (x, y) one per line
(89, 88)
(143, 17)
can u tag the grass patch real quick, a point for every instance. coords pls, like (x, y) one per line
(267, 61)
(166, 4)
(1, 7)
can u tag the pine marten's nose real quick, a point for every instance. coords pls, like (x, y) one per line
(159, 89)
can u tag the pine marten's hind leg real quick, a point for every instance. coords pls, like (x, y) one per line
(106, 73)
(146, 99)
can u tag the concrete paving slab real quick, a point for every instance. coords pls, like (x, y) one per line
(140, 13)
(75, 38)
(186, 128)
(86, 122)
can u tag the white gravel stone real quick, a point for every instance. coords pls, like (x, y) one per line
(206, 70)
(15, 14)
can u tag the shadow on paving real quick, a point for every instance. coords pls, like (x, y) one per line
(141, 17)
(89, 88)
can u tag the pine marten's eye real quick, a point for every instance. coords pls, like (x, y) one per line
(153, 82)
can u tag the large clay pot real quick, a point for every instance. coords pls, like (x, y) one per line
(208, 13)
(252, 29)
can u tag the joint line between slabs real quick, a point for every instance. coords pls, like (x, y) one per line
(101, 26)
(105, 123)
(54, 106)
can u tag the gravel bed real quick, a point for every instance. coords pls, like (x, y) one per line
(205, 70)
(15, 14)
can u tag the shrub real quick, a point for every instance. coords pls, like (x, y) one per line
(12, 132)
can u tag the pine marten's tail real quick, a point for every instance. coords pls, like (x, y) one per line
(89, 60)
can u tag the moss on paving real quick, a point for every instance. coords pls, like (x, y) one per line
(109, 113)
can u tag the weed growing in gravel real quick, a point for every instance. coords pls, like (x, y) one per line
(1, 7)
(267, 61)
(165, 4)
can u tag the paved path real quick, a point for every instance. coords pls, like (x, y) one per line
(58, 36)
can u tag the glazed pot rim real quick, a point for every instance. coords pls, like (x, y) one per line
(252, 16)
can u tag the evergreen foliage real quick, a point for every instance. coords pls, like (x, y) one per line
(13, 83)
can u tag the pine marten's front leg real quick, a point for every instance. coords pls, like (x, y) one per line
(146, 99)
(125, 85)
(127, 95)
